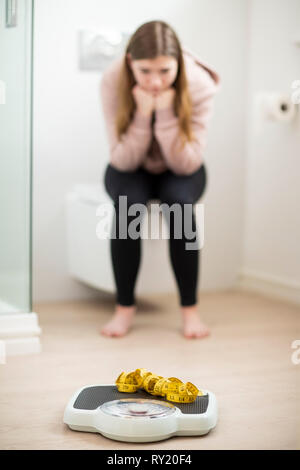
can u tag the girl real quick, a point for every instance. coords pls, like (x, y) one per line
(157, 101)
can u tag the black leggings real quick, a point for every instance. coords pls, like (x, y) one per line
(139, 186)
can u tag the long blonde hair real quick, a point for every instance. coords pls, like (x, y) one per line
(150, 40)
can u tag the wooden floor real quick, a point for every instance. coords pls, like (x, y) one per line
(246, 362)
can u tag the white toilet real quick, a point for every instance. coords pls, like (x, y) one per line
(89, 258)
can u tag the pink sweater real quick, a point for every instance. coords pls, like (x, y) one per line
(149, 145)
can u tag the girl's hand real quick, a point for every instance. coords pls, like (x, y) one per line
(165, 99)
(144, 100)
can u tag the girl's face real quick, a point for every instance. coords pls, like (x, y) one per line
(154, 75)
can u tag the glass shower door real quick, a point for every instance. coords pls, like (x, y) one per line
(16, 34)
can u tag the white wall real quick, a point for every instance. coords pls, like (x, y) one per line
(272, 224)
(69, 135)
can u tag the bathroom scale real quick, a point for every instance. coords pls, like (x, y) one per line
(138, 417)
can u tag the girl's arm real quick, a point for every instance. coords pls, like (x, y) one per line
(128, 153)
(166, 129)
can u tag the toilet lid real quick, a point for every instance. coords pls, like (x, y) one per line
(89, 192)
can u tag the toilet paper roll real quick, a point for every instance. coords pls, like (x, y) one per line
(277, 107)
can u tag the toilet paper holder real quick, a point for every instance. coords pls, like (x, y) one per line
(275, 106)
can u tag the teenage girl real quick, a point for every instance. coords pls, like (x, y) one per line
(157, 101)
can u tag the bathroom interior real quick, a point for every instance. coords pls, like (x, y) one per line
(56, 281)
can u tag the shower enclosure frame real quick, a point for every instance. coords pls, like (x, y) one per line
(19, 330)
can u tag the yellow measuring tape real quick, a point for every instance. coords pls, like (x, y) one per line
(172, 388)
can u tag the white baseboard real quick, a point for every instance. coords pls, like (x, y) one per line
(19, 334)
(270, 286)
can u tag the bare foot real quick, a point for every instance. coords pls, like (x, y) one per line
(193, 327)
(121, 321)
